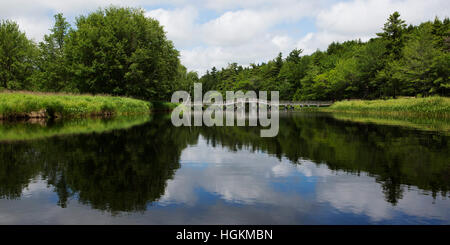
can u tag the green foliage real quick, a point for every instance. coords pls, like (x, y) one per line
(17, 55)
(120, 51)
(422, 68)
(185, 80)
(52, 73)
(114, 51)
(394, 29)
(371, 61)
(401, 61)
(431, 106)
(68, 105)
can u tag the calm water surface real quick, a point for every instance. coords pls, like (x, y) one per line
(318, 170)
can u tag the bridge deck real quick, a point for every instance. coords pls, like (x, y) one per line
(280, 103)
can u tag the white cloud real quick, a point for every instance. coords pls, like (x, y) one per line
(362, 195)
(237, 177)
(233, 4)
(243, 177)
(282, 42)
(256, 50)
(364, 18)
(240, 36)
(34, 28)
(320, 40)
(36, 17)
(179, 24)
(236, 28)
(282, 169)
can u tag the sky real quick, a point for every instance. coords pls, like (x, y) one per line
(218, 32)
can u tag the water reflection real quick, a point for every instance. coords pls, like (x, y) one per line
(318, 170)
(122, 170)
(305, 193)
(41, 128)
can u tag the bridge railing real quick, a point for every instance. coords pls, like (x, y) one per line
(306, 102)
(280, 103)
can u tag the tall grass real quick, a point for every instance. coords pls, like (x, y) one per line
(21, 104)
(430, 106)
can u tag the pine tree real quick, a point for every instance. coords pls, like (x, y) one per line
(393, 33)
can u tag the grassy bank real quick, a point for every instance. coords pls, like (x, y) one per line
(42, 105)
(431, 106)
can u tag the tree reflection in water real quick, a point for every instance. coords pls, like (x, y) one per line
(128, 169)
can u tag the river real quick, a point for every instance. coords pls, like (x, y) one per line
(317, 170)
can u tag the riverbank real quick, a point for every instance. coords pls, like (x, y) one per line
(25, 105)
(430, 107)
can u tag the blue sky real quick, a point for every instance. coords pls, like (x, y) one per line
(217, 32)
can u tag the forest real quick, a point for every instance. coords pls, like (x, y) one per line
(119, 51)
(401, 61)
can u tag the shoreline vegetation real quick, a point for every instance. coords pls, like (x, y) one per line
(428, 114)
(16, 105)
(430, 107)
(32, 105)
(85, 57)
(37, 111)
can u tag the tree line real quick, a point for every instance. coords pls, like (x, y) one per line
(114, 51)
(401, 61)
(121, 52)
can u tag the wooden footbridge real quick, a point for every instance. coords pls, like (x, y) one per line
(292, 104)
(287, 105)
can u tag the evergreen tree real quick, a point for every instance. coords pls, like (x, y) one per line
(394, 29)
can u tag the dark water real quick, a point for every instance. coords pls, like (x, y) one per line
(318, 170)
